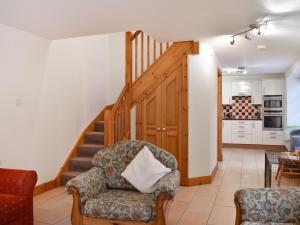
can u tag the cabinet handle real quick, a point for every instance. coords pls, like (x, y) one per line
(241, 126)
(158, 129)
(253, 99)
(241, 136)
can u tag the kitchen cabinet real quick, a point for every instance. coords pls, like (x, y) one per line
(256, 133)
(242, 131)
(226, 131)
(256, 92)
(241, 88)
(226, 93)
(273, 137)
(273, 87)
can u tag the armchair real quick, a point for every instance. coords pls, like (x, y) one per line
(16, 190)
(102, 196)
(267, 206)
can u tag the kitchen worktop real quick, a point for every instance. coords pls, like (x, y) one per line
(242, 119)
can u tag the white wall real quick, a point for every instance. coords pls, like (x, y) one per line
(293, 101)
(202, 97)
(63, 85)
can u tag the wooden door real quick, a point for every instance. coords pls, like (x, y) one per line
(171, 118)
(151, 117)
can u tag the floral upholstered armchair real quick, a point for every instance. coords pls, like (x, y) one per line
(267, 206)
(102, 196)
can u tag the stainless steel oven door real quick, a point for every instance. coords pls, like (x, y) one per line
(273, 121)
(272, 103)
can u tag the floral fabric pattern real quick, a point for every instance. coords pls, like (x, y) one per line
(266, 206)
(104, 193)
(168, 183)
(122, 205)
(254, 223)
(115, 160)
(88, 184)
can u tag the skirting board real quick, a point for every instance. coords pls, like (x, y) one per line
(200, 180)
(41, 188)
(263, 147)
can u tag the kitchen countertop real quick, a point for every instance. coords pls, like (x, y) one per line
(241, 119)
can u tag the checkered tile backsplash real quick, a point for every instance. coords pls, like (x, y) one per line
(241, 107)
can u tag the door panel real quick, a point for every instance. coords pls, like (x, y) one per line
(151, 117)
(171, 113)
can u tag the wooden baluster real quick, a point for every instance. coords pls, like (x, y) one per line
(128, 59)
(135, 60)
(148, 51)
(160, 49)
(109, 128)
(154, 51)
(142, 52)
(168, 45)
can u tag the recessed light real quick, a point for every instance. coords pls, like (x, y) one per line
(261, 47)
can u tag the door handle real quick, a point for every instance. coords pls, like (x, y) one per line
(158, 129)
(164, 129)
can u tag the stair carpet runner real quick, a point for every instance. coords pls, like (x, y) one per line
(93, 142)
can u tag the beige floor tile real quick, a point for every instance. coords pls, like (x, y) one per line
(225, 199)
(39, 223)
(66, 221)
(230, 186)
(185, 194)
(201, 204)
(194, 218)
(232, 178)
(54, 215)
(222, 215)
(176, 211)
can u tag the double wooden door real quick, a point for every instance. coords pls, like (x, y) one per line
(160, 117)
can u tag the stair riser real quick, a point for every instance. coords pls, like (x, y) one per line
(99, 127)
(65, 178)
(87, 152)
(94, 139)
(80, 166)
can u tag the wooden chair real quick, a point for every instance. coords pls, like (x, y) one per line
(289, 166)
(101, 196)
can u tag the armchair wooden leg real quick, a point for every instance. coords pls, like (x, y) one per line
(161, 211)
(76, 216)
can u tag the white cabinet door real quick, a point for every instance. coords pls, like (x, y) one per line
(256, 134)
(226, 131)
(256, 90)
(241, 88)
(273, 137)
(273, 87)
(226, 93)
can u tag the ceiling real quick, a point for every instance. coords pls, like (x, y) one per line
(211, 21)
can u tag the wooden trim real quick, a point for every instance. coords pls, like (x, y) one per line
(134, 36)
(195, 48)
(219, 116)
(200, 180)
(41, 188)
(148, 51)
(263, 147)
(108, 131)
(80, 140)
(238, 214)
(128, 59)
(136, 59)
(142, 52)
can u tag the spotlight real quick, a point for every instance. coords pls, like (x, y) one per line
(259, 32)
(233, 41)
(247, 36)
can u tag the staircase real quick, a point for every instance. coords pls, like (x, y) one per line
(93, 142)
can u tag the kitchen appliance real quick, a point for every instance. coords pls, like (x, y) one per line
(273, 121)
(295, 139)
(273, 103)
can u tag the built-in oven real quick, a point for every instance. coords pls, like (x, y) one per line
(273, 120)
(273, 103)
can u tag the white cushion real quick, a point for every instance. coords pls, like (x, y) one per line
(144, 171)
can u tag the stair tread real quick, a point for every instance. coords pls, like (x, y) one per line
(91, 145)
(94, 132)
(82, 159)
(100, 121)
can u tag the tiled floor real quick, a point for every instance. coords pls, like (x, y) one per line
(199, 205)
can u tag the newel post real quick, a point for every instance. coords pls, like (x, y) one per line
(109, 128)
(128, 59)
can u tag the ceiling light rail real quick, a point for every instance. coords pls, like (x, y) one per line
(256, 26)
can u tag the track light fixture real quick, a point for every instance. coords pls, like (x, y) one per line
(233, 41)
(247, 36)
(257, 26)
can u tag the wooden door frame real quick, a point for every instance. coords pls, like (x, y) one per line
(219, 116)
